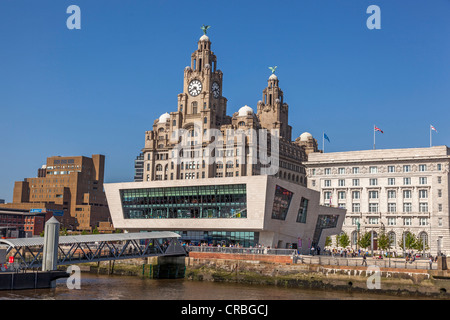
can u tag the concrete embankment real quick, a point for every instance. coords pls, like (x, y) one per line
(280, 271)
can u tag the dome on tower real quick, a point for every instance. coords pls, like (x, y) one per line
(305, 136)
(245, 110)
(273, 77)
(164, 117)
(204, 38)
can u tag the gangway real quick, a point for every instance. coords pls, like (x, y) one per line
(28, 252)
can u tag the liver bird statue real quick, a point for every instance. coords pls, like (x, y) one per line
(204, 28)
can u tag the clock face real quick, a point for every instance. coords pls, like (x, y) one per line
(215, 88)
(195, 87)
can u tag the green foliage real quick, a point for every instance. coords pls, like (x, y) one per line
(95, 231)
(63, 232)
(343, 240)
(410, 241)
(365, 240)
(384, 242)
(328, 241)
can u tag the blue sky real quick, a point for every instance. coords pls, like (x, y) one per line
(98, 89)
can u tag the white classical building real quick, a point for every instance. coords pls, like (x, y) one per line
(247, 211)
(392, 190)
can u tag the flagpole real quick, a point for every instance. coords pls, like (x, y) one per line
(430, 136)
(373, 137)
(323, 141)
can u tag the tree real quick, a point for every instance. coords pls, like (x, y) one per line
(384, 242)
(328, 241)
(420, 245)
(343, 240)
(365, 241)
(410, 241)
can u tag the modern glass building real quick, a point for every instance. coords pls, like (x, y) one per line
(241, 210)
(189, 202)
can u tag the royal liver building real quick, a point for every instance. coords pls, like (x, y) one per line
(199, 140)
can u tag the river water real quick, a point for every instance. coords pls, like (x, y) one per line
(111, 287)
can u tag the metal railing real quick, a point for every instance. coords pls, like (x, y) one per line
(422, 264)
(237, 250)
(354, 262)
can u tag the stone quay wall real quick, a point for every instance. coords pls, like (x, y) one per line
(281, 271)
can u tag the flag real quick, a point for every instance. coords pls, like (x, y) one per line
(326, 137)
(433, 128)
(378, 129)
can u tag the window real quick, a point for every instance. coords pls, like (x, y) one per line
(422, 180)
(406, 168)
(423, 221)
(373, 182)
(341, 183)
(391, 169)
(341, 195)
(373, 169)
(303, 211)
(439, 167)
(406, 221)
(327, 183)
(406, 181)
(422, 167)
(440, 222)
(440, 207)
(423, 206)
(439, 179)
(355, 194)
(392, 194)
(281, 203)
(327, 195)
(423, 194)
(220, 201)
(341, 170)
(373, 220)
(373, 207)
(392, 207)
(355, 182)
(439, 193)
(373, 194)
(391, 181)
(407, 207)
(327, 171)
(392, 221)
(355, 170)
(355, 221)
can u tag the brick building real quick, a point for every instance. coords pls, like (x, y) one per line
(71, 185)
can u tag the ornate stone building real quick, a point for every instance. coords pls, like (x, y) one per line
(202, 113)
(394, 191)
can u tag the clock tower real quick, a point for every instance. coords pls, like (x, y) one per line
(202, 98)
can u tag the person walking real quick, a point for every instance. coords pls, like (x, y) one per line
(431, 262)
(364, 262)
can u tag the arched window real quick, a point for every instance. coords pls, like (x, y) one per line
(158, 167)
(241, 123)
(194, 107)
(205, 120)
(423, 236)
(392, 237)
